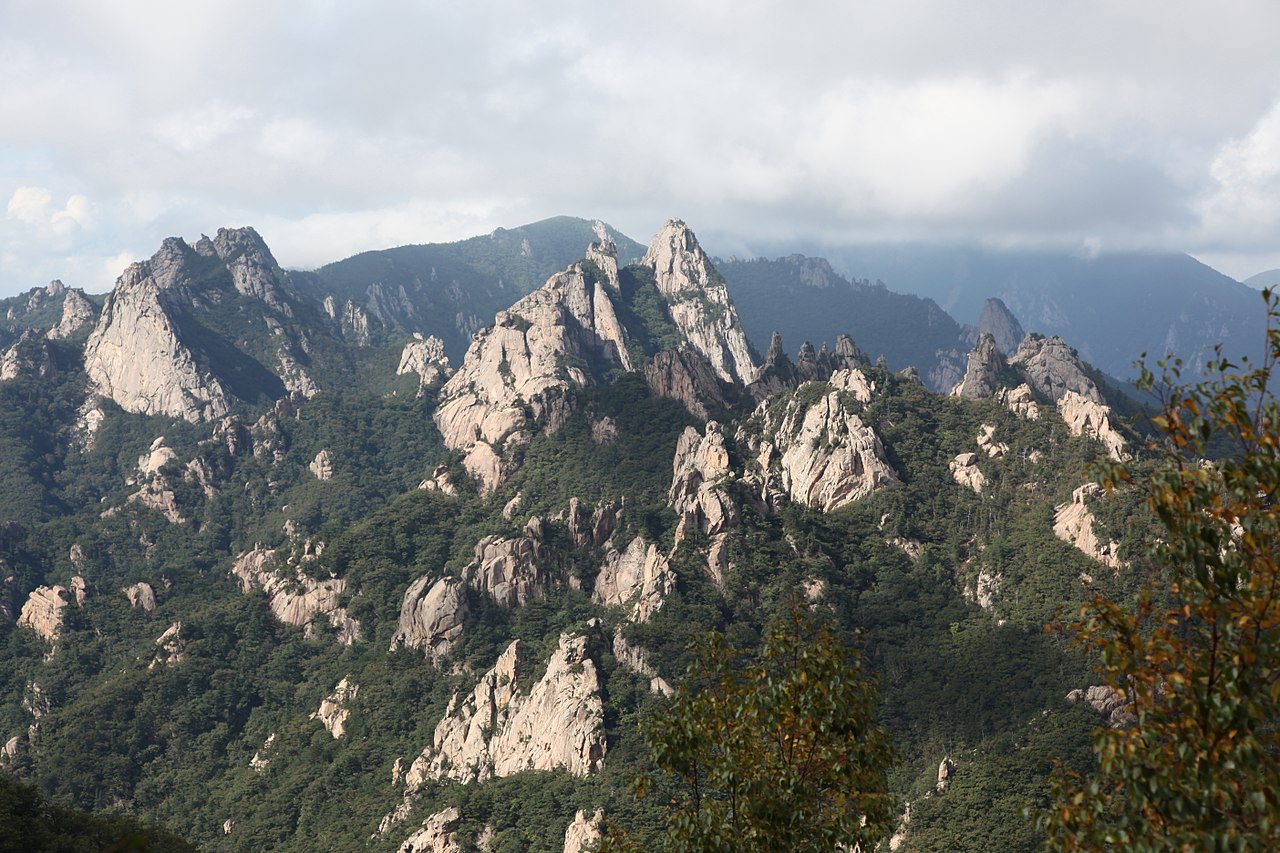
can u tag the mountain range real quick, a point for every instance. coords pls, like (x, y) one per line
(401, 553)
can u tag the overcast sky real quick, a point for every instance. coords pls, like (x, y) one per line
(336, 127)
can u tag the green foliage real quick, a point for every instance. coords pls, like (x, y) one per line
(28, 824)
(1197, 657)
(778, 753)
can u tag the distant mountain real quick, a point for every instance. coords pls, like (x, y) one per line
(805, 299)
(1111, 307)
(451, 290)
(1269, 278)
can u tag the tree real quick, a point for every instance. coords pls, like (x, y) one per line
(1198, 657)
(782, 752)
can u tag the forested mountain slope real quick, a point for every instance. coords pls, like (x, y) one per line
(435, 607)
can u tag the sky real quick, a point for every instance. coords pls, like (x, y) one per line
(338, 127)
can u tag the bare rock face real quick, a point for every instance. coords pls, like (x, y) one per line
(820, 452)
(1052, 368)
(322, 465)
(638, 578)
(987, 441)
(437, 835)
(497, 730)
(687, 376)
(1108, 702)
(29, 357)
(262, 758)
(1087, 417)
(333, 712)
(431, 619)
(296, 600)
(170, 647)
(634, 658)
(698, 301)
(141, 595)
(1021, 401)
(700, 472)
(42, 612)
(426, 358)
(777, 374)
(984, 591)
(535, 350)
(77, 312)
(946, 772)
(965, 471)
(135, 357)
(1073, 524)
(507, 569)
(983, 373)
(583, 831)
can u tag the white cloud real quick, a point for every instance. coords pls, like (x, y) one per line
(1244, 204)
(30, 204)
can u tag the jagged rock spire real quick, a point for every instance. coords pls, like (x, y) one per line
(699, 301)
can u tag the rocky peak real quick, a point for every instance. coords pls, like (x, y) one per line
(998, 321)
(253, 268)
(498, 729)
(536, 350)
(77, 312)
(776, 374)
(134, 355)
(819, 453)
(698, 301)
(984, 372)
(1053, 368)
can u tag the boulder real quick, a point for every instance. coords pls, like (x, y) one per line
(431, 617)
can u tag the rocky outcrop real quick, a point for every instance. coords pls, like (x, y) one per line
(135, 356)
(170, 648)
(985, 589)
(698, 301)
(700, 473)
(141, 595)
(426, 358)
(779, 374)
(322, 466)
(534, 352)
(634, 659)
(638, 578)
(987, 441)
(1086, 417)
(1073, 523)
(298, 599)
(431, 618)
(437, 835)
(261, 759)
(985, 371)
(965, 471)
(946, 773)
(29, 357)
(77, 312)
(687, 376)
(776, 375)
(1021, 401)
(583, 831)
(507, 569)
(497, 730)
(998, 321)
(333, 712)
(42, 612)
(1108, 702)
(1052, 368)
(818, 451)
(150, 463)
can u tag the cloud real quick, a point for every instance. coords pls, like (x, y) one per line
(336, 128)
(30, 204)
(1243, 207)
